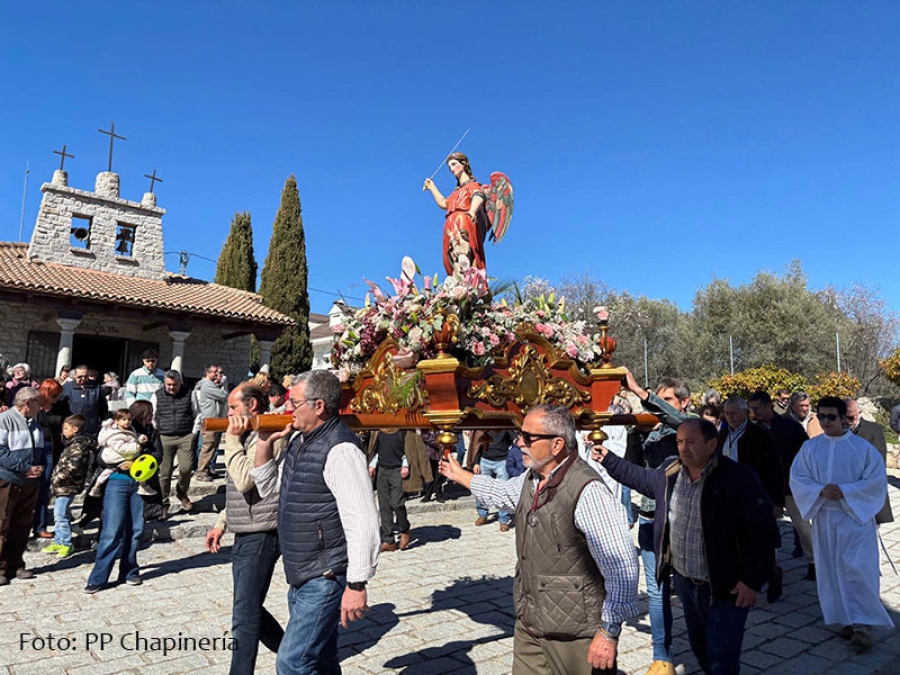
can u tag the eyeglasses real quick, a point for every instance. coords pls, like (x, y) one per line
(830, 417)
(297, 404)
(528, 438)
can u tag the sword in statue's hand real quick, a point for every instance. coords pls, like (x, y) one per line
(443, 161)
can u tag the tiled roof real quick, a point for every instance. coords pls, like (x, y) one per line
(173, 293)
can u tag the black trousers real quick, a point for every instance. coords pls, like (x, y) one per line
(391, 502)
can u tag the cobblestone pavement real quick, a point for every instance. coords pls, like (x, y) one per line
(442, 606)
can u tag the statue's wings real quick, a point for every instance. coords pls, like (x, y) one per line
(499, 204)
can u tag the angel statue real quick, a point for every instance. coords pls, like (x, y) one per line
(473, 210)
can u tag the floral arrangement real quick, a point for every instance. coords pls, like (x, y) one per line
(415, 311)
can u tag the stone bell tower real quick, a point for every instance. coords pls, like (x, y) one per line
(99, 230)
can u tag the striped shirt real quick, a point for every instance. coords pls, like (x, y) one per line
(686, 527)
(347, 476)
(141, 385)
(601, 518)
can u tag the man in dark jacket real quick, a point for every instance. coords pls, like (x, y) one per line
(872, 433)
(85, 398)
(713, 528)
(789, 437)
(752, 445)
(174, 410)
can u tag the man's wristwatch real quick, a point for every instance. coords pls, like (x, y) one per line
(356, 585)
(610, 630)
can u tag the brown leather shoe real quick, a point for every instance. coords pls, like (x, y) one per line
(504, 527)
(387, 548)
(43, 534)
(404, 541)
(481, 521)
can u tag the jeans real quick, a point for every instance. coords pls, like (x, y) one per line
(658, 600)
(494, 468)
(715, 627)
(391, 502)
(253, 558)
(626, 502)
(62, 530)
(120, 533)
(41, 521)
(310, 644)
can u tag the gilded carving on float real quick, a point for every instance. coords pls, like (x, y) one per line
(529, 383)
(391, 390)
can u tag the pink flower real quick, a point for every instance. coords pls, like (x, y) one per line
(493, 339)
(478, 349)
(602, 314)
(571, 350)
(582, 339)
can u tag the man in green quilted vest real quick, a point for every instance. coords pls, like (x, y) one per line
(577, 572)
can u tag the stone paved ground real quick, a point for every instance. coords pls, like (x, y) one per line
(442, 606)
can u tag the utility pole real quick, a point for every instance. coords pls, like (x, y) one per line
(837, 337)
(646, 367)
(731, 351)
(24, 194)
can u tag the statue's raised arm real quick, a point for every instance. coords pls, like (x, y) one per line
(467, 220)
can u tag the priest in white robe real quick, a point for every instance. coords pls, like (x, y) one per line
(839, 482)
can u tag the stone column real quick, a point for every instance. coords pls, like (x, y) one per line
(265, 351)
(178, 338)
(67, 331)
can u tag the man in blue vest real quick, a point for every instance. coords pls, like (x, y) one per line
(327, 524)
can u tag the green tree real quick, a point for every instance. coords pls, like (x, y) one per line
(283, 286)
(237, 267)
(237, 264)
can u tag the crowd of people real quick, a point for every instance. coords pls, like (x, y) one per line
(713, 482)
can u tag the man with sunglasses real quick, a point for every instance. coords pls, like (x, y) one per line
(576, 577)
(839, 482)
(85, 397)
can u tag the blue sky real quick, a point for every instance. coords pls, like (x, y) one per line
(653, 145)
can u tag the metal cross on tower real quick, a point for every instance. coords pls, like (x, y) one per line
(153, 179)
(112, 137)
(62, 158)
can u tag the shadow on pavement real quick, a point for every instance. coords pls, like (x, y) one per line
(485, 600)
(197, 561)
(430, 534)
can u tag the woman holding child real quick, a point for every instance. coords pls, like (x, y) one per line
(123, 520)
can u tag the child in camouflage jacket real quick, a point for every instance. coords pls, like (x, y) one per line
(68, 480)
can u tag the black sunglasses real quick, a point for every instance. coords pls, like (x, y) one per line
(829, 417)
(531, 438)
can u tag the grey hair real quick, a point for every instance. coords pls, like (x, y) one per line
(556, 420)
(24, 395)
(173, 375)
(25, 367)
(738, 401)
(711, 394)
(321, 385)
(798, 396)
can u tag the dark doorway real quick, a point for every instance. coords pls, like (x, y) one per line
(103, 354)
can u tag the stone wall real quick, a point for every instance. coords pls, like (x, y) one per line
(205, 344)
(50, 241)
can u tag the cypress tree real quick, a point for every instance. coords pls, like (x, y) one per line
(283, 286)
(237, 265)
